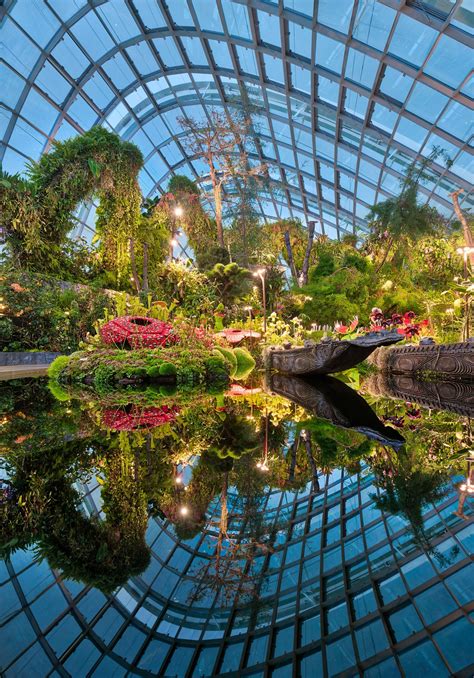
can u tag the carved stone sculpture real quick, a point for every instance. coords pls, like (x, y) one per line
(453, 361)
(329, 355)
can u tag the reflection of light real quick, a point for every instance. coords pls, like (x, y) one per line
(184, 510)
(178, 480)
(263, 466)
(178, 211)
(260, 272)
(173, 242)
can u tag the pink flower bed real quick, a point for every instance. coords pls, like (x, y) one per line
(138, 332)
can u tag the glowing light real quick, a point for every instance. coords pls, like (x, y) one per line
(178, 211)
(184, 510)
(173, 242)
(178, 480)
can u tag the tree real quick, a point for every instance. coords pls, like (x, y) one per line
(230, 281)
(399, 220)
(467, 230)
(222, 142)
(200, 228)
(294, 243)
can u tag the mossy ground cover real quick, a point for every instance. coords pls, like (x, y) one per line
(105, 368)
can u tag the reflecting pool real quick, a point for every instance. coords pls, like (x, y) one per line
(288, 528)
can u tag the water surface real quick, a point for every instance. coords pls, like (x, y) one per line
(198, 534)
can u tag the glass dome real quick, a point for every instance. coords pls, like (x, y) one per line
(349, 98)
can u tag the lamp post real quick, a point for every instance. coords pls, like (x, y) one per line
(263, 465)
(249, 311)
(465, 251)
(177, 214)
(260, 273)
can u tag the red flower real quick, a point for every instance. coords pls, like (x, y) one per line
(408, 317)
(409, 331)
(138, 331)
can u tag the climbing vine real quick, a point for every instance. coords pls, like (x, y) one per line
(37, 211)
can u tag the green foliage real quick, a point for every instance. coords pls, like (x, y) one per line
(245, 363)
(230, 356)
(44, 314)
(231, 282)
(189, 289)
(57, 366)
(104, 377)
(167, 370)
(340, 285)
(199, 227)
(37, 211)
(104, 368)
(182, 186)
(208, 257)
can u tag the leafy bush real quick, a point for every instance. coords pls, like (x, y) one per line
(44, 314)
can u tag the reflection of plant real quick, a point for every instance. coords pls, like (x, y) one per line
(409, 485)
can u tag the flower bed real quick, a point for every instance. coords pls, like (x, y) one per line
(138, 332)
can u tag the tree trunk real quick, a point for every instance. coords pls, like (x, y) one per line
(309, 454)
(384, 258)
(304, 271)
(218, 206)
(468, 237)
(133, 263)
(291, 261)
(217, 191)
(145, 267)
(294, 450)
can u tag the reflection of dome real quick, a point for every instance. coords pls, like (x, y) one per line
(348, 601)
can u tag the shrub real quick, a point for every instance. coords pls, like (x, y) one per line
(230, 356)
(245, 363)
(167, 370)
(57, 366)
(104, 377)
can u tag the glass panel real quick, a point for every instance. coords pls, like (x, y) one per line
(329, 53)
(426, 102)
(338, 20)
(361, 68)
(450, 62)
(373, 23)
(395, 84)
(371, 639)
(411, 40)
(404, 622)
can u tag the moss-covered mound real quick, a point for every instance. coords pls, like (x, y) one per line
(105, 368)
